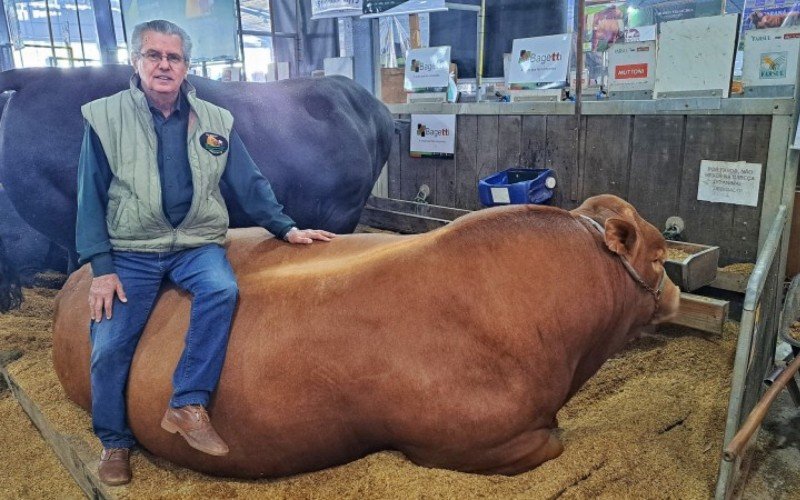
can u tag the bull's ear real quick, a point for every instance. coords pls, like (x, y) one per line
(620, 236)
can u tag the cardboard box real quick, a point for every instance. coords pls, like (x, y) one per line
(392, 85)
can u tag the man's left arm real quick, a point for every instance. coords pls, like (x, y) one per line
(255, 195)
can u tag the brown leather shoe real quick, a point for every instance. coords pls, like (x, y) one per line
(193, 424)
(115, 466)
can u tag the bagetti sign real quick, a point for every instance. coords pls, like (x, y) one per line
(770, 57)
(632, 66)
(427, 69)
(542, 59)
(433, 136)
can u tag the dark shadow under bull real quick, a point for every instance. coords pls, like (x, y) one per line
(10, 290)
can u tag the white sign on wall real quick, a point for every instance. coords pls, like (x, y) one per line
(696, 55)
(640, 33)
(734, 182)
(338, 66)
(321, 9)
(770, 56)
(433, 136)
(631, 66)
(427, 68)
(542, 59)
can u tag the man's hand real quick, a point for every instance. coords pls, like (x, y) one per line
(307, 236)
(101, 294)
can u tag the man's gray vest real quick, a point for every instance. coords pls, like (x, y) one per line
(135, 216)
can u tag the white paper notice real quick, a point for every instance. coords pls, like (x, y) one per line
(500, 195)
(729, 182)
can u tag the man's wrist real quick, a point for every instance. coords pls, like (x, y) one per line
(286, 236)
(102, 264)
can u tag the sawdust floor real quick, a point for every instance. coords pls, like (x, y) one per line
(28, 467)
(648, 425)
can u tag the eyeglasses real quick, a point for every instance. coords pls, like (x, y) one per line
(156, 57)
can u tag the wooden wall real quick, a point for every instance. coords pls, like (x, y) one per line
(653, 161)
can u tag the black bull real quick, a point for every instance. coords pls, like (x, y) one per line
(320, 142)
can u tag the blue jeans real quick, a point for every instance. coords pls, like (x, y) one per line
(206, 274)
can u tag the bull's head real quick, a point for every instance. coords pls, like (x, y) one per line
(636, 241)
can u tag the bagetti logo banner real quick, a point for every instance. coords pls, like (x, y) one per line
(433, 136)
(543, 59)
(427, 68)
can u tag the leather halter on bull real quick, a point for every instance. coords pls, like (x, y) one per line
(655, 292)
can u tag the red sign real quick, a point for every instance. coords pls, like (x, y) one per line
(628, 71)
(789, 36)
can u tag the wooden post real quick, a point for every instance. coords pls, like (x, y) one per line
(415, 38)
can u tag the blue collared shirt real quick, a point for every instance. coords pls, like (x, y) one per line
(241, 175)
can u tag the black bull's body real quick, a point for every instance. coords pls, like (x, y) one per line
(320, 142)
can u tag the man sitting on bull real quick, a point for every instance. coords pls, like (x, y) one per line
(149, 208)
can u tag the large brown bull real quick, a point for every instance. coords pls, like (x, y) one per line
(457, 347)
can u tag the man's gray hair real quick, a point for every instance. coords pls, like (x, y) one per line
(159, 26)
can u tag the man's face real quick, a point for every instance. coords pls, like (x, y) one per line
(160, 64)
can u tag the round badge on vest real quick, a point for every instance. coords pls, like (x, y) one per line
(214, 143)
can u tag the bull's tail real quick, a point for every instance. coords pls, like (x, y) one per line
(11, 80)
(10, 291)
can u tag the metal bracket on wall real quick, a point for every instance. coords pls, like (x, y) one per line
(630, 95)
(770, 91)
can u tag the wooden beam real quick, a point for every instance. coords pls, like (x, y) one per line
(702, 313)
(74, 453)
(399, 221)
(413, 208)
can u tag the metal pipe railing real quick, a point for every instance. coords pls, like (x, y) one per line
(750, 313)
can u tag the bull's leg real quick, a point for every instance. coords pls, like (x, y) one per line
(523, 453)
(520, 454)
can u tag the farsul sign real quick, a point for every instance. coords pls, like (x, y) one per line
(632, 66)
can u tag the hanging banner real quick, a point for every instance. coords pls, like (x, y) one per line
(542, 59)
(323, 9)
(631, 66)
(427, 69)
(433, 136)
(764, 14)
(734, 182)
(379, 8)
(770, 57)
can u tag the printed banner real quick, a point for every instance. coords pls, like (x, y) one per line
(734, 182)
(632, 66)
(641, 33)
(763, 14)
(433, 136)
(542, 59)
(321, 9)
(770, 57)
(427, 69)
